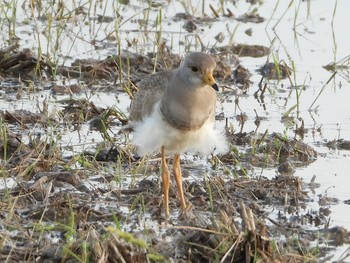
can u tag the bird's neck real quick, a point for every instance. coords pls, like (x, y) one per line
(188, 108)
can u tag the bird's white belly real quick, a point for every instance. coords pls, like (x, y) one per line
(153, 132)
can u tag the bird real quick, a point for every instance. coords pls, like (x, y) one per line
(173, 112)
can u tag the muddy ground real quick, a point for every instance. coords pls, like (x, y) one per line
(104, 203)
(55, 212)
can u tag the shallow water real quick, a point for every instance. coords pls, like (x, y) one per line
(310, 37)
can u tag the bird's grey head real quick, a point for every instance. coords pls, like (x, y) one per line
(198, 68)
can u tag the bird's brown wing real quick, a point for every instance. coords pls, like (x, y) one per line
(150, 92)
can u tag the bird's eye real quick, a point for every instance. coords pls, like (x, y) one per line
(194, 68)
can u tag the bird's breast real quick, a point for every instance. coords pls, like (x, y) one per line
(190, 110)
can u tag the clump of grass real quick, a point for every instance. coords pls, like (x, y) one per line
(3, 139)
(227, 241)
(9, 10)
(159, 41)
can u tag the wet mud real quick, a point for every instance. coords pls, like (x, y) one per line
(92, 205)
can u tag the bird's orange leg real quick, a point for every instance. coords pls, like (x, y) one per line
(166, 183)
(178, 178)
